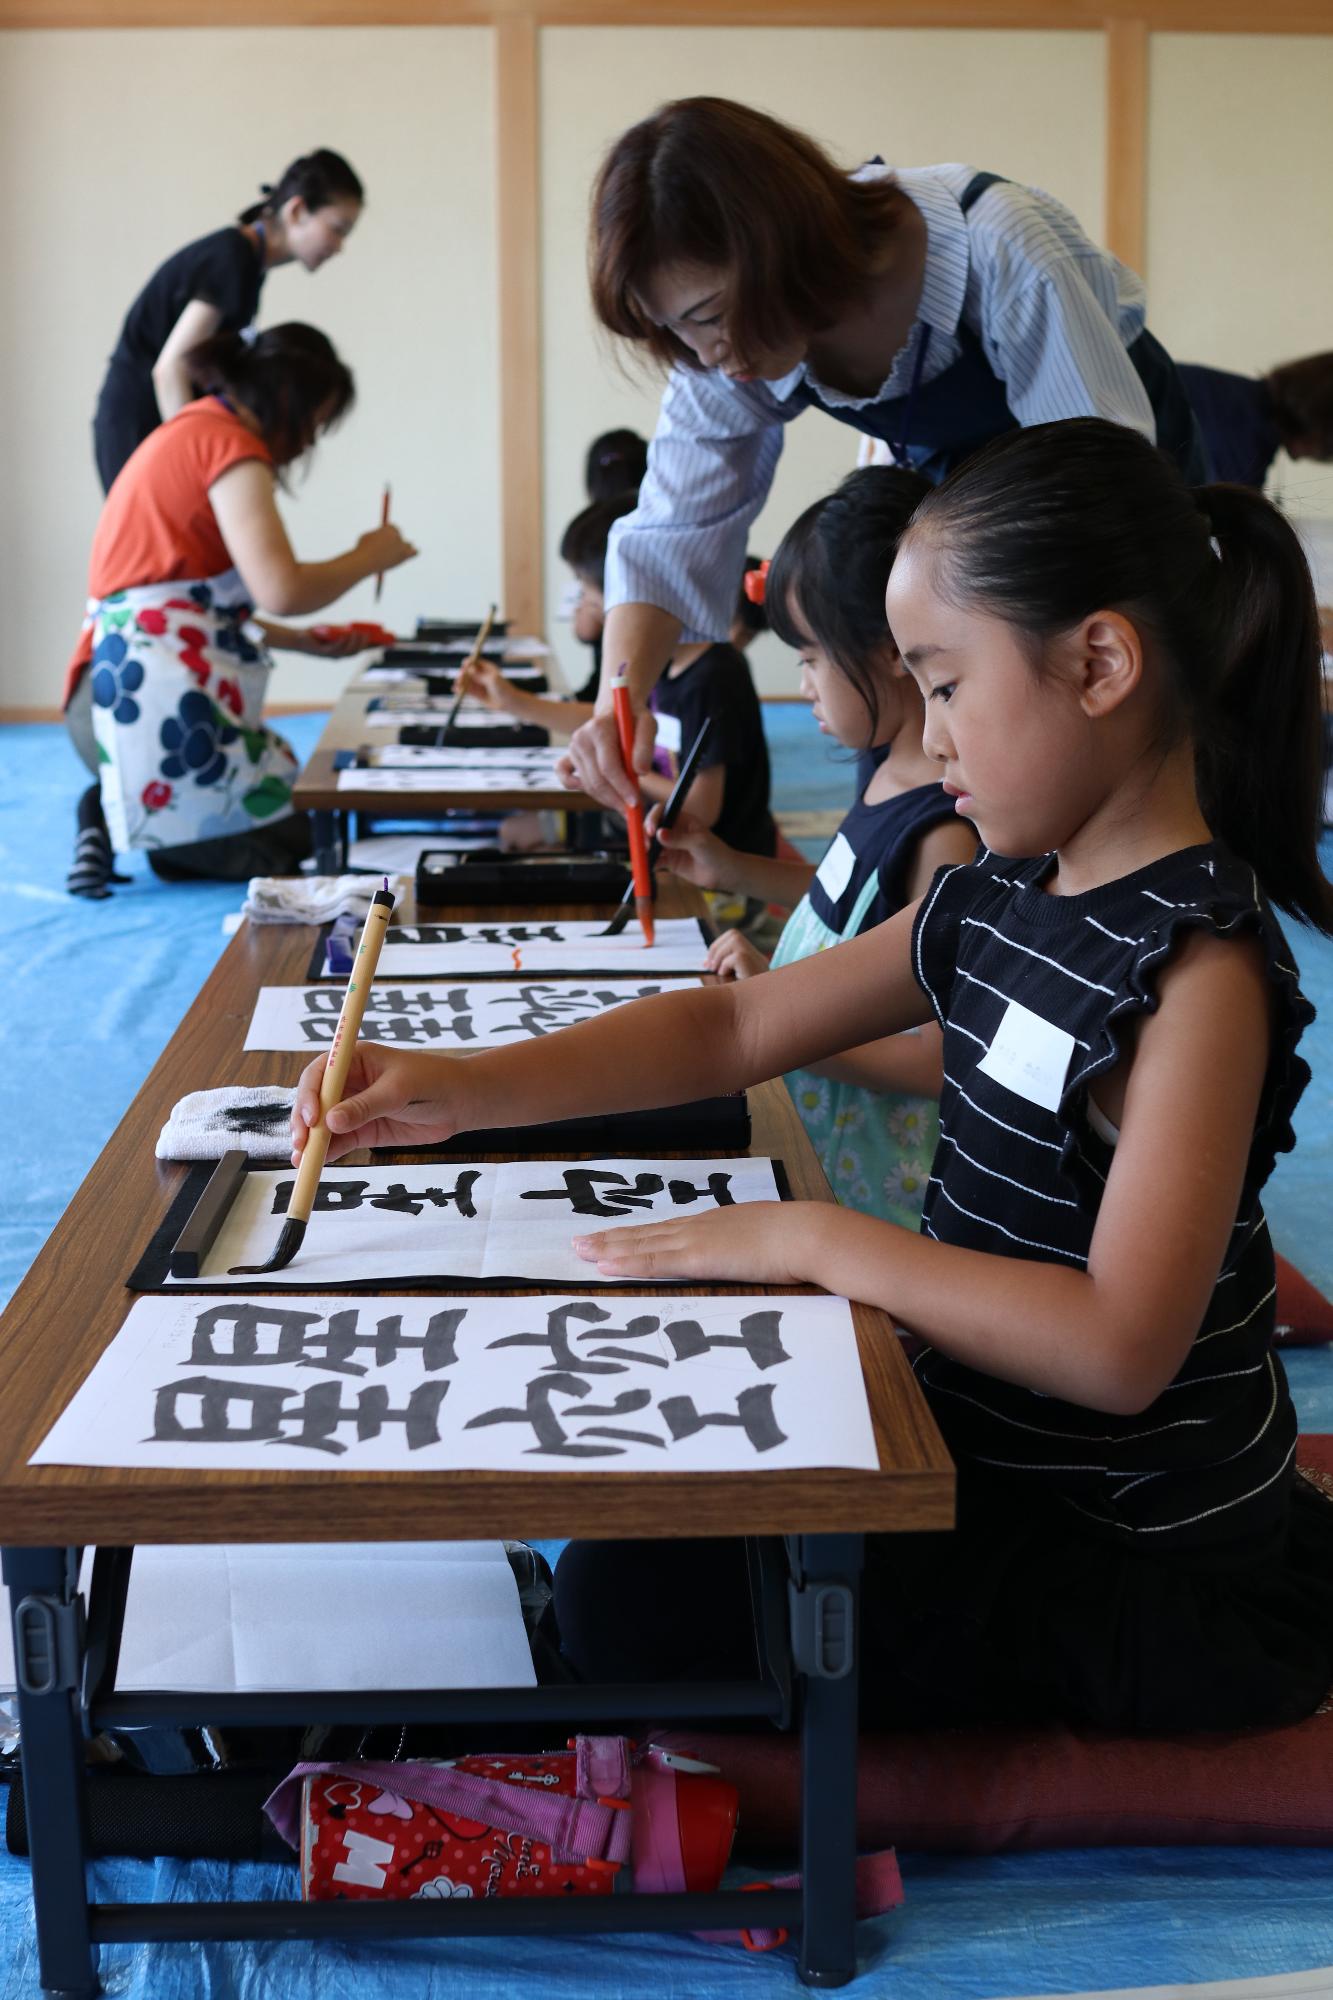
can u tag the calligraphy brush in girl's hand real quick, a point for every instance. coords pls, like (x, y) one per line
(378, 918)
(670, 814)
(482, 636)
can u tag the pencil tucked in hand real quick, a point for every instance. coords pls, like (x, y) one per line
(638, 842)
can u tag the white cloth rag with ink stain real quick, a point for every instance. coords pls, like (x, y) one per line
(251, 1118)
(315, 899)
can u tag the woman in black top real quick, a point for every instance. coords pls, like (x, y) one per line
(212, 286)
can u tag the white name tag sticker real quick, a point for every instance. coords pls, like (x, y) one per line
(668, 734)
(1029, 1056)
(835, 870)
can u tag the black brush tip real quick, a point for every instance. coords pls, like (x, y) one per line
(293, 1232)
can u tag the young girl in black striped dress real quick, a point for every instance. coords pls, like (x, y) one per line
(1121, 677)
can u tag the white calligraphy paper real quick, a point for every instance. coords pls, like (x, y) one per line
(419, 716)
(467, 781)
(523, 647)
(438, 1017)
(516, 1220)
(457, 757)
(540, 946)
(497, 1384)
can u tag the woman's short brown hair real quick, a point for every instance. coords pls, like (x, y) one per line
(1302, 399)
(706, 181)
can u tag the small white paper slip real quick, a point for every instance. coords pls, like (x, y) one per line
(241, 1619)
(1029, 1056)
(835, 870)
(668, 733)
(406, 1384)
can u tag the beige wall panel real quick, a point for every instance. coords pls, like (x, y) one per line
(1239, 165)
(128, 144)
(1025, 104)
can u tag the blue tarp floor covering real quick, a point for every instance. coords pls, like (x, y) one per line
(93, 993)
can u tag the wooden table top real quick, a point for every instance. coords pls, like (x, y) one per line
(317, 789)
(73, 1301)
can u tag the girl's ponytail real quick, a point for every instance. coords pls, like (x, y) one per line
(318, 178)
(1046, 525)
(290, 377)
(258, 209)
(1259, 704)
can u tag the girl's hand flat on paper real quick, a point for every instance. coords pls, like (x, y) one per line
(392, 1097)
(759, 1242)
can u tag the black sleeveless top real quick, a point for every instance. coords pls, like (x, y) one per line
(1021, 1166)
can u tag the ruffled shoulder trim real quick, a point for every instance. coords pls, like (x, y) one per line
(962, 889)
(1231, 905)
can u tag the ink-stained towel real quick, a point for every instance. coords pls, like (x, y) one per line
(315, 899)
(208, 1123)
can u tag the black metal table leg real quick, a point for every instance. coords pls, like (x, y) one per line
(327, 832)
(825, 1616)
(48, 1655)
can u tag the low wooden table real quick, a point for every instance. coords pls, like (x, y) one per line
(69, 1307)
(317, 790)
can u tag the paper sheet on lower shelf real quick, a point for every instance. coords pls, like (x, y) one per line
(308, 1616)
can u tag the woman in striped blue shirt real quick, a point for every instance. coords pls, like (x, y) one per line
(932, 309)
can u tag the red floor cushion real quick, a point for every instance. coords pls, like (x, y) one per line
(987, 1791)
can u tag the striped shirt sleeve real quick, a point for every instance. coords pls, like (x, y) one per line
(710, 467)
(1056, 314)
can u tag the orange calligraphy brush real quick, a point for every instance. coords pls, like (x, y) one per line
(638, 840)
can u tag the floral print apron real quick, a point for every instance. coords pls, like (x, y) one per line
(178, 675)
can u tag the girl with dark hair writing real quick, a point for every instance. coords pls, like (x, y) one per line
(1122, 693)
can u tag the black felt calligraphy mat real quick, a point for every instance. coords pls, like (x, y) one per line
(151, 1273)
(484, 877)
(707, 1125)
(315, 969)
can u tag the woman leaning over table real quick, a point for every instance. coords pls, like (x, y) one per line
(932, 308)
